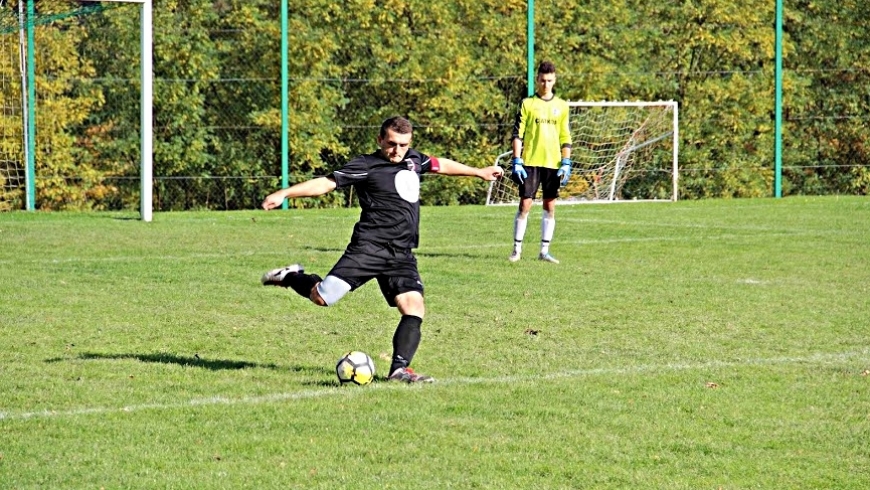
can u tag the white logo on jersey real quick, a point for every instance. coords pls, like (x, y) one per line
(408, 185)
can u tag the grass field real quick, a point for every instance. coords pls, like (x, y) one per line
(691, 345)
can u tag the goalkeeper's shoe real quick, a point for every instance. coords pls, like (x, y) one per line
(548, 258)
(515, 256)
(407, 375)
(275, 277)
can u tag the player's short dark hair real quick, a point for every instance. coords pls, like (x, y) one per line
(397, 124)
(546, 67)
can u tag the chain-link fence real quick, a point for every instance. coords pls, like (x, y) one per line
(456, 69)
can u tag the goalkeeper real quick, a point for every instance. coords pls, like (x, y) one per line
(541, 144)
(381, 247)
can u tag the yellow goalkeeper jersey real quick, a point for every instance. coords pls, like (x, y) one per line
(543, 127)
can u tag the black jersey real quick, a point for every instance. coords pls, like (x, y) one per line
(389, 195)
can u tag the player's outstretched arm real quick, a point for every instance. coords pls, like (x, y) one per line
(452, 167)
(309, 188)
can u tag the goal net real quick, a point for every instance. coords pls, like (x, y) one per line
(620, 151)
(12, 126)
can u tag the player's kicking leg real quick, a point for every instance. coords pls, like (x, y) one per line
(275, 277)
(294, 277)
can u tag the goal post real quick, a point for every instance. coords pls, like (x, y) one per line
(621, 151)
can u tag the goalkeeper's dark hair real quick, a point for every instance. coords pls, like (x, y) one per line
(546, 67)
(398, 124)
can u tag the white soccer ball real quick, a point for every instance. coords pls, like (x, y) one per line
(355, 367)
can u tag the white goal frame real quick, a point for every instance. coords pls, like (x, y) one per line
(621, 158)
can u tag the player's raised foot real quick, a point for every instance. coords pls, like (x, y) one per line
(407, 375)
(548, 258)
(275, 277)
(515, 256)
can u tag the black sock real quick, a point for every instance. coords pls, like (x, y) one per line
(301, 283)
(405, 341)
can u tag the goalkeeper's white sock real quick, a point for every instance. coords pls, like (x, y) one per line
(548, 226)
(519, 231)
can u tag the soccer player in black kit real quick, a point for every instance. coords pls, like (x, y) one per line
(387, 183)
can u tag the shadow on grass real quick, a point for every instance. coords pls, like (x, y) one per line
(417, 253)
(335, 384)
(453, 255)
(321, 384)
(194, 361)
(324, 249)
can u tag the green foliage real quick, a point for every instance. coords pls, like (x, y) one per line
(68, 106)
(829, 143)
(456, 69)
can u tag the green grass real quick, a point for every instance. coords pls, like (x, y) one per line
(691, 345)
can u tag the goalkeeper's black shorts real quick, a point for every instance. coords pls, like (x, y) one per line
(542, 177)
(395, 269)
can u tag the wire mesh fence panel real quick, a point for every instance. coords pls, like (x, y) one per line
(457, 70)
(82, 109)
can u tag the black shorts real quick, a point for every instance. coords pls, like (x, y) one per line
(395, 270)
(544, 177)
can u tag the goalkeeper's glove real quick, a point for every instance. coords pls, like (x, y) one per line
(519, 170)
(564, 172)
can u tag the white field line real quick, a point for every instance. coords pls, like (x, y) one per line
(821, 358)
